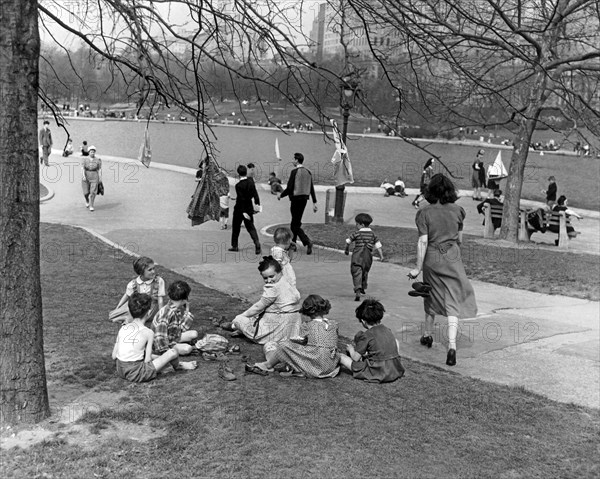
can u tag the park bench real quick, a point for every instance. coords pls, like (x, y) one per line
(556, 221)
(226, 122)
(490, 213)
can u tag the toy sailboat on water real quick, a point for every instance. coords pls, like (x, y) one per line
(497, 170)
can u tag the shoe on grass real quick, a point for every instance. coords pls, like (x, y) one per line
(226, 373)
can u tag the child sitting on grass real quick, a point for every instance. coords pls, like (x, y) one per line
(133, 348)
(283, 239)
(148, 282)
(172, 323)
(375, 356)
(362, 257)
(313, 354)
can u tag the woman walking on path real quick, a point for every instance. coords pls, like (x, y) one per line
(91, 176)
(440, 227)
(478, 176)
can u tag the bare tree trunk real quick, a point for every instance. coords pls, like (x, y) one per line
(514, 186)
(23, 394)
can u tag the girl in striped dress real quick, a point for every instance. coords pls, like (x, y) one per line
(365, 242)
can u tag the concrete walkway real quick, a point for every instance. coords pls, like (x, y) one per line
(546, 344)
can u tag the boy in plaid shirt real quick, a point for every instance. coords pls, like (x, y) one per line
(362, 256)
(171, 325)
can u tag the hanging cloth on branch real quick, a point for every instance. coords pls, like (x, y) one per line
(205, 204)
(342, 169)
(145, 155)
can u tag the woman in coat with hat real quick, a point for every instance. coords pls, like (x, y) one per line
(91, 177)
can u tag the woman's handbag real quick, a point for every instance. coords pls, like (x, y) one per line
(120, 314)
(101, 188)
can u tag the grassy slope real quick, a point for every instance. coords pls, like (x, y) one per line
(533, 269)
(431, 423)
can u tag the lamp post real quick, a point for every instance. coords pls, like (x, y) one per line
(348, 88)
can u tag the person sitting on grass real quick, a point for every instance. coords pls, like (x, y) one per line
(312, 354)
(172, 323)
(133, 347)
(149, 282)
(375, 356)
(275, 316)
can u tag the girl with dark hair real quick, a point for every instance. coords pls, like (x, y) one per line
(440, 226)
(375, 355)
(425, 179)
(314, 352)
(275, 316)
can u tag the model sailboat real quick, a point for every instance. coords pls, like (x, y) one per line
(497, 171)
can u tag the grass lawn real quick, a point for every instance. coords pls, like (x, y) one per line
(523, 267)
(431, 423)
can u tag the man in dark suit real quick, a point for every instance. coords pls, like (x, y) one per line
(45, 137)
(243, 210)
(299, 188)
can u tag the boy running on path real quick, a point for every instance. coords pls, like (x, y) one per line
(362, 256)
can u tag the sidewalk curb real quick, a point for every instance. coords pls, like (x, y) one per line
(50, 194)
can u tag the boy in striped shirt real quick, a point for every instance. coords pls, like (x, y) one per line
(365, 242)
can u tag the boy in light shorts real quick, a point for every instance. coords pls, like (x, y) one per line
(133, 348)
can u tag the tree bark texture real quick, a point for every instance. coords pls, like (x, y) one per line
(538, 95)
(23, 393)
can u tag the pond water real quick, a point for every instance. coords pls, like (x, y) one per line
(373, 157)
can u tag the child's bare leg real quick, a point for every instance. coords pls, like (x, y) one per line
(171, 356)
(183, 348)
(346, 361)
(269, 349)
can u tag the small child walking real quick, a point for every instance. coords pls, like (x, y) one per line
(283, 239)
(133, 348)
(224, 197)
(313, 354)
(375, 355)
(362, 256)
(148, 282)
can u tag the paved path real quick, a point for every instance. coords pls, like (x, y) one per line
(546, 344)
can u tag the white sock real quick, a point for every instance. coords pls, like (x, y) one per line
(452, 331)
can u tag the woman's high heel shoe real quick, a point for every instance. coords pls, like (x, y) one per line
(427, 341)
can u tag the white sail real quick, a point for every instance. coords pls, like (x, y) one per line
(497, 170)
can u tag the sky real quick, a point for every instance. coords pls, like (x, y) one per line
(80, 14)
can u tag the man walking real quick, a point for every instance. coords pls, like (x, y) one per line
(45, 137)
(299, 188)
(243, 210)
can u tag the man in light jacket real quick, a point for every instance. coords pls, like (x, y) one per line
(299, 188)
